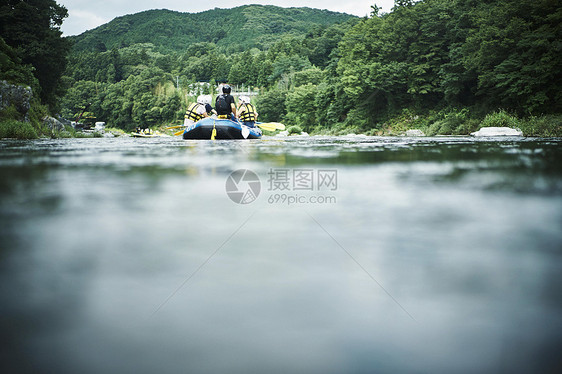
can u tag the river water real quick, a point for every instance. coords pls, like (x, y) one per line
(281, 255)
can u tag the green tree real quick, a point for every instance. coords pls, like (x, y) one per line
(301, 106)
(82, 94)
(436, 53)
(312, 75)
(12, 69)
(32, 28)
(514, 49)
(271, 105)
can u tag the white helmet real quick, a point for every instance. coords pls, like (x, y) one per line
(201, 99)
(244, 99)
(208, 99)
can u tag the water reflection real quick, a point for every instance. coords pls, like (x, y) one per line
(126, 255)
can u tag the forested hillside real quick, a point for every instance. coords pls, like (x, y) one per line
(159, 58)
(237, 29)
(450, 55)
(439, 65)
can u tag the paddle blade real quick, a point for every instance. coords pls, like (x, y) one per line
(265, 126)
(278, 125)
(179, 132)
(245, 132)
(271, 126)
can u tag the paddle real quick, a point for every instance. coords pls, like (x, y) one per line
(271, 126)
(179, 132)
(214, 132)
(268, 126)
(174, 127)
(245, 132)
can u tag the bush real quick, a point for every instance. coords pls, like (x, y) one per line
(467, 127)
(10, 113)
(500, 119)
(452, 122)
(17, 130)
(301, 108)
(355, 122)
(545, 126)
(295, 129)
(271, 106)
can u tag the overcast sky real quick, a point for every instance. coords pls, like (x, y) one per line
(87, 14)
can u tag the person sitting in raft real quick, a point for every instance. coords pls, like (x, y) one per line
(207, 99)
(225, 105)
(247, 112)
(199, 110)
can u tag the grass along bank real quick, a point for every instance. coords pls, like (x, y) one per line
(451, 122)
(13, 126)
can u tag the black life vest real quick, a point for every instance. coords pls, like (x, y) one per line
(192, 114)
(221, 106)
(248, 115)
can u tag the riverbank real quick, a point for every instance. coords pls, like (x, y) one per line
(453, 123)
(449, 123)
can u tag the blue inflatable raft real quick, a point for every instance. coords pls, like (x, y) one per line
(213, 128)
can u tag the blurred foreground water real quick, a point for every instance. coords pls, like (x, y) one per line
(358, 255)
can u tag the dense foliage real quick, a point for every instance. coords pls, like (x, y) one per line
(13, 70)
(438, 54)
(446, 61)
(236, 30)
(143, 81)
(31, 44)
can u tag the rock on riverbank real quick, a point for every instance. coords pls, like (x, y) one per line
(497, 131)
